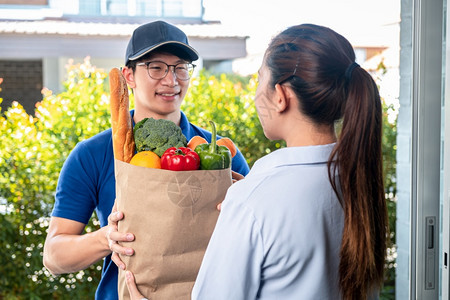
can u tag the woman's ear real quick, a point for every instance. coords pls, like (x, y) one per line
(283, 96)
(129, 76)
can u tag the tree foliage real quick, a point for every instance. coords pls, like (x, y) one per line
(32, 152)
(390, 181)
(229, 103)
(34, 147)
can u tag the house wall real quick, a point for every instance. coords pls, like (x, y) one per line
(22, 81)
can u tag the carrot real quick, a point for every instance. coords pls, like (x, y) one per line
(195, 141)
(229, 144)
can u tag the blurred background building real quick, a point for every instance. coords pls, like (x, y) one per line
(38, 37)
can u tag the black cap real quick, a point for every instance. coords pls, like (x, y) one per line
(148, 37)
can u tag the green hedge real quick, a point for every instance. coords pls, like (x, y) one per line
(34, 147)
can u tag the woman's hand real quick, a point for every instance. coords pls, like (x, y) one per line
(114, 236)
(132, 287)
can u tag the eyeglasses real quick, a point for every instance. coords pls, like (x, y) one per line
(158, 69)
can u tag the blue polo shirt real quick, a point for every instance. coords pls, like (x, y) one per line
(87, 183)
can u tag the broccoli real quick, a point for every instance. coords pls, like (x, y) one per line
(157, 135)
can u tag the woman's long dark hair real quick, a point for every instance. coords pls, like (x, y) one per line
(318, 64)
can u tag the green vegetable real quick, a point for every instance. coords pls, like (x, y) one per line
(212, 156)
(157, 135)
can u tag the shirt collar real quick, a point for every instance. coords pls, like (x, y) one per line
(294, 156)
(132, 117)
(184, 123)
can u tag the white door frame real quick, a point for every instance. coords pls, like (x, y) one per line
(426, 102)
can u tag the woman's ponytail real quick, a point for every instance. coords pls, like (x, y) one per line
(356, 171)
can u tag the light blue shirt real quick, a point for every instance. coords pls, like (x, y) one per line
(279, 232)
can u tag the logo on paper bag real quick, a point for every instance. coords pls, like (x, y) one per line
(184, 194)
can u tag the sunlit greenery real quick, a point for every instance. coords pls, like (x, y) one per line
(230, 104)
(32, 152)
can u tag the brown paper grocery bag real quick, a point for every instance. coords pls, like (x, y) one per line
(172, 215)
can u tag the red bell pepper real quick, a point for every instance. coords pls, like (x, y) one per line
(180, 159)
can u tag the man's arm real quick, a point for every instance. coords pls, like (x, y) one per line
(67, 250)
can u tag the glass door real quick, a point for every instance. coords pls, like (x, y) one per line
(419, 156)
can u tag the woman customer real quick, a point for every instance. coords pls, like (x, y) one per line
(309, 221)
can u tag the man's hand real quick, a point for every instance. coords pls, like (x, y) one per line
(132, 287)
(68, 249)
(114, 236)
(235, 176)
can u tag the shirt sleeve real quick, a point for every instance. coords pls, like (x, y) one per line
(239, 164)
(231, 267)
(76, 190)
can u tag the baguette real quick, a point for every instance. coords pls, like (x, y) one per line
(122, 127)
